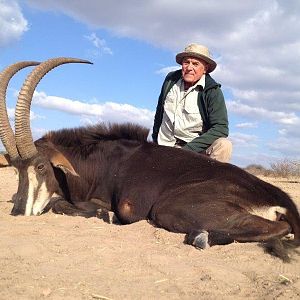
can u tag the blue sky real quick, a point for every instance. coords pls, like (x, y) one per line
(132, 45)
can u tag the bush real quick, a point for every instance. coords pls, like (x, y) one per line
(258, 170)
(283, 168)
(286, 168)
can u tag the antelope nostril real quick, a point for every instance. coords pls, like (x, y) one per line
(16, 212)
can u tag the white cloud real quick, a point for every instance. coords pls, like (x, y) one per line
(12, 22)
(243, 140)
(286, 145)
(276, 98)
(36, 132)
(291, 132)
(246, 125)
(157, 21)
(33, 115)
(99, 44)
(164, 71)
(282, 118)
(91, 113)
(256, 43)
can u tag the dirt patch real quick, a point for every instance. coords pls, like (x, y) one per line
(61, 257)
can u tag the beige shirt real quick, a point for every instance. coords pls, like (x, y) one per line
(181, 118)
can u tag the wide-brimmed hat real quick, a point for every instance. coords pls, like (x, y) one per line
(197, 51)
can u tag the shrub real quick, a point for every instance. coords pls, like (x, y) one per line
(286, 168)
(257, 170)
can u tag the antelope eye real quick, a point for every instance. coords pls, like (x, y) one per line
(41, 167)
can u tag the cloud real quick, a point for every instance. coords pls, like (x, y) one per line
(12, 23)
(36, 132)
(278, 98)
(157, 21)
(33, 115)
(164, 71)
(246, 125)
(256, 43)
(286, 145)
(99, 44)
(243, 140)
(260, 113)
(291, 132)
(95, 112)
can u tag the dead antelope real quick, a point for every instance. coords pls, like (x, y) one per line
(214, 203)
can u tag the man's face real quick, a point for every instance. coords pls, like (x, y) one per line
(193, 69)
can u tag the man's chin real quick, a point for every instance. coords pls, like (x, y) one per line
(189, 79)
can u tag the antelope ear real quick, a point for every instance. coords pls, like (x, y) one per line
(4, 160)
(58, 160)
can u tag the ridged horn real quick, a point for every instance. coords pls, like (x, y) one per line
(23, 133)
(6, 133)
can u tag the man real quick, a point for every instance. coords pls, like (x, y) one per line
(191, 112)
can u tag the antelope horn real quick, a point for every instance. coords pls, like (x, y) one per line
(6, 133)
(23, 133)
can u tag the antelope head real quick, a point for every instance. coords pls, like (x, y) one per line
(35, 168)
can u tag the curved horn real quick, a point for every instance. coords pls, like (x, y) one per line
(6, 133)
(23, 134)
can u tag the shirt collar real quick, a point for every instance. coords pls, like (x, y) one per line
(201, 81)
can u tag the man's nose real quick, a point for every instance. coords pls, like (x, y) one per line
(190, 66)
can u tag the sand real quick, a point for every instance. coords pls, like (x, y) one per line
(61, 257)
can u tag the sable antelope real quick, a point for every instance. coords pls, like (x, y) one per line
(181, 191)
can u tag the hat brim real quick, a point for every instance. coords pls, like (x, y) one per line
(211, 63)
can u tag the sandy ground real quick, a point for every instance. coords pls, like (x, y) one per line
(61, 257)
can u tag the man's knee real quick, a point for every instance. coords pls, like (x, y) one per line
(220, 149)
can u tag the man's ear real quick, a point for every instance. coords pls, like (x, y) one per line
(58, 160)
(4, 160)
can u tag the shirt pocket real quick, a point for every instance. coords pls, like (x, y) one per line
(169, 107)
(191, 108)
(192, 117)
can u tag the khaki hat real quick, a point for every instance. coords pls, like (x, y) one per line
(197, 51)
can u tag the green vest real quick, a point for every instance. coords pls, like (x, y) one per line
(211, 106)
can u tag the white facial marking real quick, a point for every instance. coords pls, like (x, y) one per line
(42, 200)
(35, 205)
(269, 213)
(32, 185)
